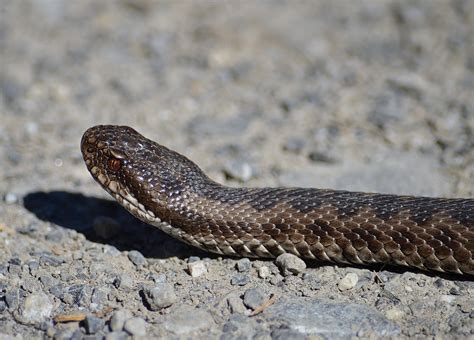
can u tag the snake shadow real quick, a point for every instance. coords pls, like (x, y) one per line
(105, 221)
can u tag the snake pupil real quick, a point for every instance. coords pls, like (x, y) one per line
(114, 164)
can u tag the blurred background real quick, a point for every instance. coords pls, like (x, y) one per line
(367, 95)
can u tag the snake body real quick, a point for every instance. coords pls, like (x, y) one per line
(167, 190)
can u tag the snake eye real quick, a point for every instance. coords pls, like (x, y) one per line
(114, 164)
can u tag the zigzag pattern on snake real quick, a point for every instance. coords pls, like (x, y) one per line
(167, 190)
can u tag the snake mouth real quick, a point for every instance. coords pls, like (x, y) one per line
(124, 197)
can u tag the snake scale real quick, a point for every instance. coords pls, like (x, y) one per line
(167, 190)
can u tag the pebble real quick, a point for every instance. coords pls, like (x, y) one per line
(349, 281)
(118, 319)
(79, 295)
(254, 297)
(455, 291)
(106, 227)
(197, 268)
(110, 250)
(10, 198)
(57, 291)
(236, 304)
(186, 320)
(290, 264)
(160, 296)
(321, 157)
(439, 283)
(12, 298)
(193, 259)
(394, 314)
(239, 280)
(30, 285)
(264, 272)
(239, 170)
(35, 309)
(14, 270)
(135, 326)
(123, 281)
(51, 260)
(15, 261)
(417, 307)
(276, 280)
(93, 324)
(243, 265)
(99, 299)
(47, 280)
(137, 258)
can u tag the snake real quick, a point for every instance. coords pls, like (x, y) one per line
(167, 190)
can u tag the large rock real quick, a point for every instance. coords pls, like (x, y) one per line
(331, 319)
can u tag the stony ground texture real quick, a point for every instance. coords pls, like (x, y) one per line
(366, 95)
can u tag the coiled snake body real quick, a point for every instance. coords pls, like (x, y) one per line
(167, 190)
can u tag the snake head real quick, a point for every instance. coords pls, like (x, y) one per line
(133, 169)
(105, 153)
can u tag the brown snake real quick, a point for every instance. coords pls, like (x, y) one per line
(167, 190)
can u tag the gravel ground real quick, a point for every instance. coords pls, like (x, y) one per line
(367, 95)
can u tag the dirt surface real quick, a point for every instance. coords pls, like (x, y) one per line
(367, 95)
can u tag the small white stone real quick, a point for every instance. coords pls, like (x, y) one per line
(11, 198)
(263, 272)
(349, 281)
(408, 289)
(394, 314)
(197, 268)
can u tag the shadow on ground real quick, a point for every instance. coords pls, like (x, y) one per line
(79, 212)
